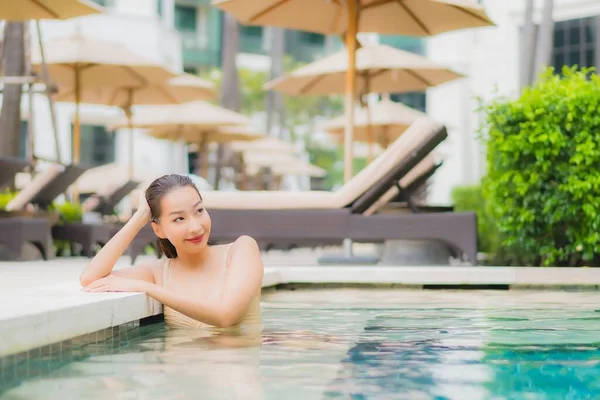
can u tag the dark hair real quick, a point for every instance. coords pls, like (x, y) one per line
(154, 194)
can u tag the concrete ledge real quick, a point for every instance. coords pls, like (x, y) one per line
(42, 314)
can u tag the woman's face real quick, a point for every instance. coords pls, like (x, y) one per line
(183, 220)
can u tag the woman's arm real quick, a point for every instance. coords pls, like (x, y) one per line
(243, 280)
(103, 263)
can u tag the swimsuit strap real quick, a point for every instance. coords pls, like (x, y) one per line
(166, 271)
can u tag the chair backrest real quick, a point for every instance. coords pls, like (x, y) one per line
(9, 166)
(46, 186)
(410, 183)
(402, 148)
(108, 203)
(414, 154)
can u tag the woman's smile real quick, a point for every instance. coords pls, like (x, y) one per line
(195, 239)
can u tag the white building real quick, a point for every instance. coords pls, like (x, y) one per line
(490, 57)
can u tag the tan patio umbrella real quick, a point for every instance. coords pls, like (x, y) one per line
(197, 122)
(107, 177)
(407, 17)
(282, 164)
(178, 90)
(382, 123)
(27, 10)
(379, 69)
(46, 9)
(267, 145)
(105, 73)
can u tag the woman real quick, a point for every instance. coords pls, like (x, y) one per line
(199, 285)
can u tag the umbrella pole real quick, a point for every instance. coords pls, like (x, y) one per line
(76, 139)
(129, 115)
(46, 78)
(351, 43)
(29, 72)
(370, 132)
(368, 112)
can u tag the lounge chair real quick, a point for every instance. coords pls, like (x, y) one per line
(9, 167)
(90, 234)
(105, 203)
(19, 225)
(299, 219)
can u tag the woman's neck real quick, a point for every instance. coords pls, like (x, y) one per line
(195, 260)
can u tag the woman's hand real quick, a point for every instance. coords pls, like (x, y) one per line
(143, 209)
(113, 283)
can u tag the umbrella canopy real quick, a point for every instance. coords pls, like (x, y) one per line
(75, 62)
(191, 122)
(46, 9)
(281, 164)
(195, 135)
(267, 145)
(407, 17)
(181, 89)
(387, 121)
(108, 177)
(379, 69)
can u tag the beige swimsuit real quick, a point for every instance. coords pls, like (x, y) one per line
(174, 318)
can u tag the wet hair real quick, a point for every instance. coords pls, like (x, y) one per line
(155, 193)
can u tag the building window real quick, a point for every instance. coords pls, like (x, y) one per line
(574, 43)
(407, 43)
(185, 18)
(104, 3)
(251, 39)
(416, 100)
(252, 31)
(97, 145)
(312, 38)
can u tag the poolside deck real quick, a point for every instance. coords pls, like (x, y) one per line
(41, 302)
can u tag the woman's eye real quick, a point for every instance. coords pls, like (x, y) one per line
(199, 210)
(178, 219)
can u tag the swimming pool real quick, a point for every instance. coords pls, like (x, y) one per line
(346, 344)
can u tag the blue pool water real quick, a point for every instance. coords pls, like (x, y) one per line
(348, 344)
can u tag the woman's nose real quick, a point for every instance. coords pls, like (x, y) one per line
(195, 225)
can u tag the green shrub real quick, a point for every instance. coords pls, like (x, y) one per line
(69, 212)
(469, 198)
(5, 198)
(543, 160)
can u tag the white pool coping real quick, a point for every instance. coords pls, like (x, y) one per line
(41, 303)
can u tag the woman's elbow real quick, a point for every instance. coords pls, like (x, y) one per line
(84, 280)
(226, 320)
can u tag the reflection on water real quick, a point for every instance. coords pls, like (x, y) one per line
(413, 345)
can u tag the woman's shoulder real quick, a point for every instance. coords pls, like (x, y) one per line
(245, 240)
(244, 243)
(245, 246)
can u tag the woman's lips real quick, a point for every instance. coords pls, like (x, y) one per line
(196, 239)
